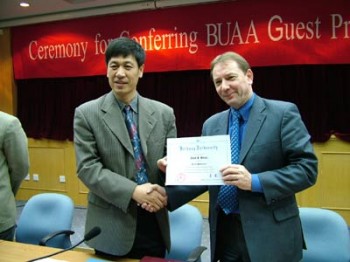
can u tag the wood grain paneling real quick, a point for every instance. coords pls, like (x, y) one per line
(332, 190)
(7, 86)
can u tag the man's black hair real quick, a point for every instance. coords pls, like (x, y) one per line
(124, 46)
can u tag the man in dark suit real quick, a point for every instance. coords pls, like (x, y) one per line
(276, 161)
(106, 156)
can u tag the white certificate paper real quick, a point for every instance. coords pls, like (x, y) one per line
(197, 160)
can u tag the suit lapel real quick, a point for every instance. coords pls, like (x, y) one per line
(114, 119)
(221, 126)
(256, 119)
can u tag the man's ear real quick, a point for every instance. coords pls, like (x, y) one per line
(250, 76)
(141, 70)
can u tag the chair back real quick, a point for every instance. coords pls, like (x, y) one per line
(186, 226)
(326, 235)
(44, 214)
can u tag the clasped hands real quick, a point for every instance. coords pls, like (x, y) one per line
(151, 197)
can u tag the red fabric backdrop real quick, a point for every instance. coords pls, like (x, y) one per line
(266, 32)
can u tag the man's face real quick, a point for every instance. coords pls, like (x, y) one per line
(232, 85)
(123, 75)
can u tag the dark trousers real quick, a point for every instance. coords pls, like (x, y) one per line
(8, 234)
(230, 243)
(148, 239)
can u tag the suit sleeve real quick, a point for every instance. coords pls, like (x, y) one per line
(298, 163)
(16, 152)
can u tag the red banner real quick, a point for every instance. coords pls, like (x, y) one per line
(266, 32)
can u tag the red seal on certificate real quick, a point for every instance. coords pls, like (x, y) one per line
(181, 177)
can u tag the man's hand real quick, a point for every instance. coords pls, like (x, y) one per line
(152, 197)
(162, 163)
(160, 190)
(237, 175)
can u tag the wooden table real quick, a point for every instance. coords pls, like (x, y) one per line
(19, 252)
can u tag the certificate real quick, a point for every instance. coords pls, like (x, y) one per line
(197, 160)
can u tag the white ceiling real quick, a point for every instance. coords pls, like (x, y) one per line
(11, 14)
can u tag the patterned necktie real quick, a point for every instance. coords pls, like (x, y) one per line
(141, 175)
(228, 195)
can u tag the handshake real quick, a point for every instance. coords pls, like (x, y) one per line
(152, 197)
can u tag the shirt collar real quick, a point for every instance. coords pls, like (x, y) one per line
(245, 109)
(133, 104)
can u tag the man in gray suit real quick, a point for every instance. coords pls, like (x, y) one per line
(106, 162)
(276, 161)
(14, 166)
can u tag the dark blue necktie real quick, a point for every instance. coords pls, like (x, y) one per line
(141, 175)
(228, 195)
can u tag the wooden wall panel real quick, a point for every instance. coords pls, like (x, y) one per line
(202, 203)
(7, 87)
(335, 180)
(332, 189)
(50, 160)
(48, 165)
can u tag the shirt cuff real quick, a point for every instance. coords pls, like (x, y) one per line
(256, 185)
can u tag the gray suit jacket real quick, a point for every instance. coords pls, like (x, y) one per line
(14, 166)
(277, 148)
(105, 164)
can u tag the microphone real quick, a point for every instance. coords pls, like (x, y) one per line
(95, 231)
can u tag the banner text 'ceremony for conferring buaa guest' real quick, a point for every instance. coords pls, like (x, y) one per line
(267, 33)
